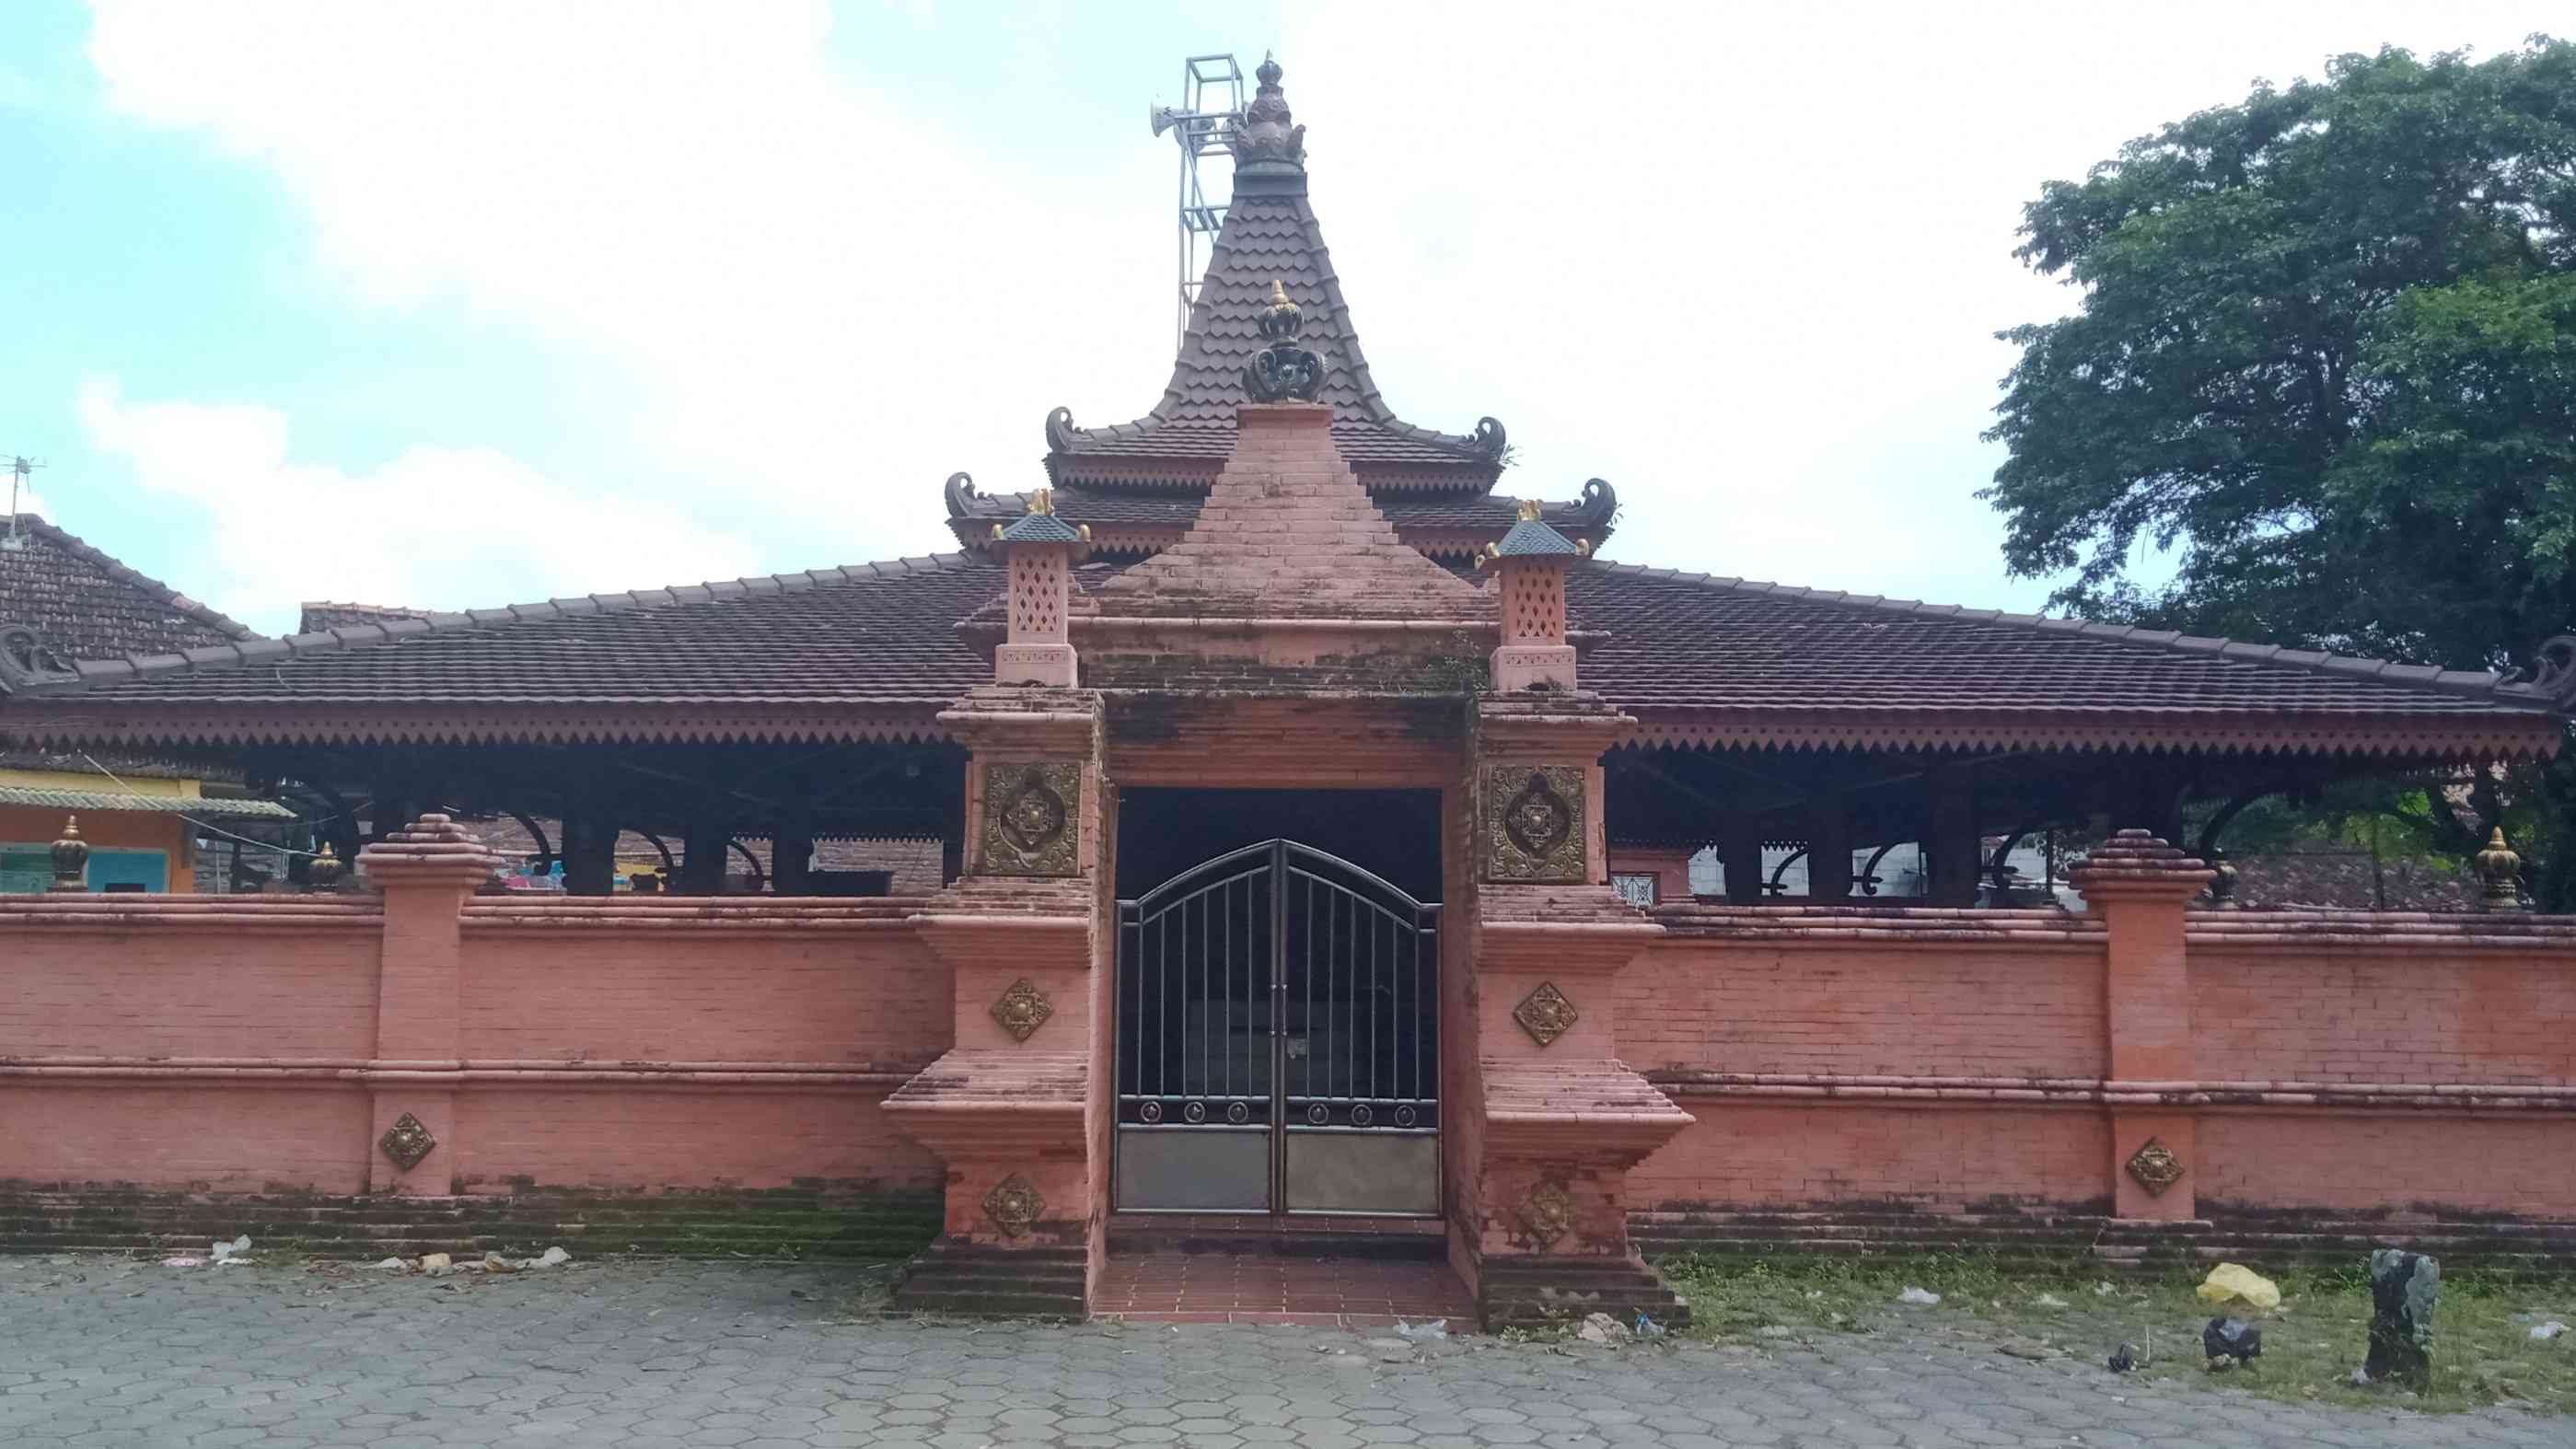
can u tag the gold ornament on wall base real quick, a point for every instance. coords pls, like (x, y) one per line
(1548, 1213)
(1545, 1014)
(1023, 1009)
(2155, 1167)
(407, 1142)
(1014, 1205)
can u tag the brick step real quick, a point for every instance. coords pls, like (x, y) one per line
(977, 1281)
(1279, 1243)
(1544, 1292)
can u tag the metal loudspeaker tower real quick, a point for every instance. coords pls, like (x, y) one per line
(1211, 104)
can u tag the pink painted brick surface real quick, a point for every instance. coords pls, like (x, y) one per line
(1902, 1012)
(877, 998)
(2489, 1018)
(2399, 1163)
(186, 1138)
(211, 990)
(657, 1139)
(1742, 1155)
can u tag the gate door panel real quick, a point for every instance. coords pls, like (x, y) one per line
(1278, 1043)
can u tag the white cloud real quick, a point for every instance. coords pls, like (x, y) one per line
(825, 305)
(437, 528)
(1744, 261)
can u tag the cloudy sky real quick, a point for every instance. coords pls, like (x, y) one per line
(460, 303)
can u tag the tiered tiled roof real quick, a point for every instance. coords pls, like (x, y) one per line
(1141, 481)
(1270, 239)
(85, 605)
(1696, 659)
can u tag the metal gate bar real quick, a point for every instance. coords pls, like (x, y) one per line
(1278, 1050)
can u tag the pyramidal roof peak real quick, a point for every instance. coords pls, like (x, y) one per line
(1270, 239)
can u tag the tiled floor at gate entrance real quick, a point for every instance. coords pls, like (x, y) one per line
(1357, 1273)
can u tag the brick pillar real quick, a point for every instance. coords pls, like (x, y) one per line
(2140, 887)
(1555, 1120)
(426, 871)
(1012, 1111)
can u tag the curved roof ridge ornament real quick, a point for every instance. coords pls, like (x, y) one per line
(959, 493)
(1267, 141)
(1489, 440)
(25, 662)
(1061, 434)
(1282, 370)
(1599, 506)
(2553, 671)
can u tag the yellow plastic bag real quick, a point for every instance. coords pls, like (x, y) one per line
(2235, 1281)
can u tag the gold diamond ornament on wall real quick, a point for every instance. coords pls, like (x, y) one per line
(1014, 1205)
(1548, 1213)
(1023, 1009)
(1545, 1014)
(407, 1142)
(2155, 1167)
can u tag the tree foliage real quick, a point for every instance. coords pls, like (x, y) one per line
(2326, 355)
(2324, 363)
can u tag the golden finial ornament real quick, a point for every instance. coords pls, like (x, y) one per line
(2500, 866)
(71, 858)
(1042, 502)
(323, 873)
(1529, 510)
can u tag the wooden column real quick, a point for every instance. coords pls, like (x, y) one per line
(589, 852)
(1739, 851)
(1951, 848)
(704, 843)
(791, 855)
(1829, 872)
(2140, 887)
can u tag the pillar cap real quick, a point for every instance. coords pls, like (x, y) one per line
(432, 850)
(2135, 863)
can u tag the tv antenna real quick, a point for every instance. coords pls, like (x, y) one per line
(1211, 105)
(19, 469)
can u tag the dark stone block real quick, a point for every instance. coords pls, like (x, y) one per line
(2404, 1290)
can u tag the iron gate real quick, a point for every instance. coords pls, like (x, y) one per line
(1278, 1040)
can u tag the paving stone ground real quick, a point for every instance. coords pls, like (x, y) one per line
(110, 1352)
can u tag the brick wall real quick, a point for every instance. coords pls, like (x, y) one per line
(1870, 1077)
(1893, 1008)
(722, 1059)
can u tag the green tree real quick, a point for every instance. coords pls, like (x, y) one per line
(2325, 363)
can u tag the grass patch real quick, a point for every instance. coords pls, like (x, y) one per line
(2483, 1352)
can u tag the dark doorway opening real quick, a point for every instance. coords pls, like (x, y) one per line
(1392, 834)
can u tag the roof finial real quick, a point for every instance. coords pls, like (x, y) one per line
(1266, 141)
(1042, 502)
(1282, 370)
(1529, 510)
